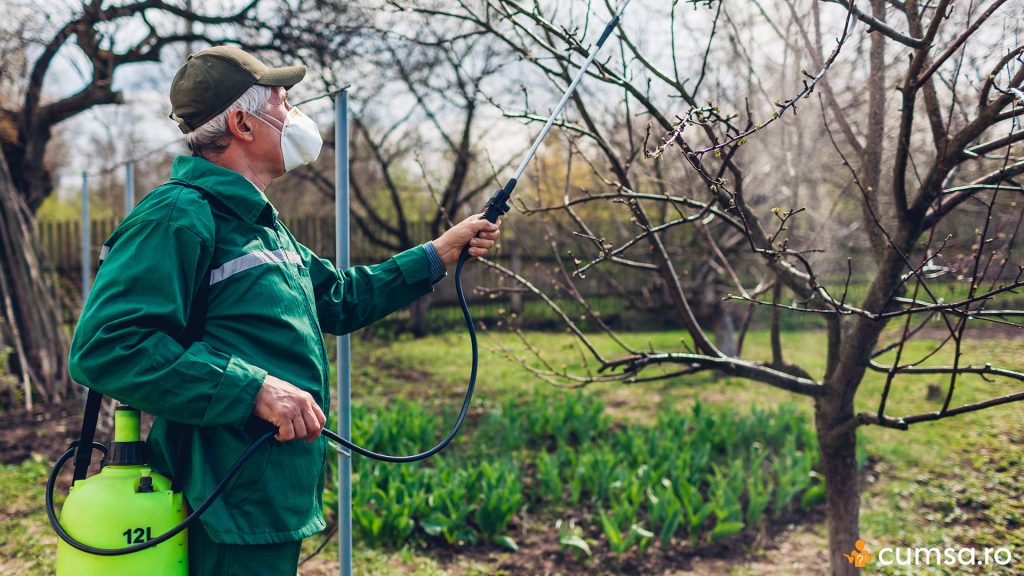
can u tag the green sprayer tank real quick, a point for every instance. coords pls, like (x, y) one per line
(125, 504)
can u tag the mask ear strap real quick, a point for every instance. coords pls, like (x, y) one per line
(259, 116)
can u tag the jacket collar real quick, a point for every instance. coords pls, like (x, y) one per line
(228, 186)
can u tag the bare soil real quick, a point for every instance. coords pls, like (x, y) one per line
(46, 431)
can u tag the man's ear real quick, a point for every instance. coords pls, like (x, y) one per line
(240, 125)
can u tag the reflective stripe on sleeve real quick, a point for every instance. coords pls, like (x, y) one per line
(251, 260)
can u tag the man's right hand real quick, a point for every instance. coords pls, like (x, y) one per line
(292, 410)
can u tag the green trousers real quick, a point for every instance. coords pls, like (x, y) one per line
(209, 558)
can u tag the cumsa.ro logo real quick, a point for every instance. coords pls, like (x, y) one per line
(934, 556)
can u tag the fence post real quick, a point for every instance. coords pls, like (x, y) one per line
(515, 298)
(86, 238)
(129, 187)
(341, 255)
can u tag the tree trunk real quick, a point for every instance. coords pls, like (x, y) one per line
(842, 481)
(29, 309)
(515, 299)
(724, 326)
(418, 316)
(837, 437)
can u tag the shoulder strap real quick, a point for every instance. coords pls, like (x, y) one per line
(83, 450)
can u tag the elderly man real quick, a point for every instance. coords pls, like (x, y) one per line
(207, 313)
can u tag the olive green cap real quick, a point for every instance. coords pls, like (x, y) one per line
(212, 79)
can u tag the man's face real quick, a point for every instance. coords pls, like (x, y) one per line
(266, 145)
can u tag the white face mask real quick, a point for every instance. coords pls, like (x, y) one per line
(300, 138)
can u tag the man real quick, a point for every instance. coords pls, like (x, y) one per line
(207, 313)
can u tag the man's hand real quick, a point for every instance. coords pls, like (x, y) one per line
(450, 244)
(292, 410)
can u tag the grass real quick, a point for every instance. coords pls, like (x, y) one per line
(954, 482)
(27, 544)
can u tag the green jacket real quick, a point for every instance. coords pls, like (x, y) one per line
(200, 293)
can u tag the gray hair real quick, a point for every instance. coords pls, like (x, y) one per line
(213, 136)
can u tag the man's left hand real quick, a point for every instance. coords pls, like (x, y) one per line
(477, 232)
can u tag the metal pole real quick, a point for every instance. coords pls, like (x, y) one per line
(86, 238)
(189, 30)
(129, 187)
(341, 236)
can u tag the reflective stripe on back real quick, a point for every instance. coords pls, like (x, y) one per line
(251, 260)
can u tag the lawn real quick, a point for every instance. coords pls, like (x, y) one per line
(955, 482)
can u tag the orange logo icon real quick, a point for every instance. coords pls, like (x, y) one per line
(859, 557)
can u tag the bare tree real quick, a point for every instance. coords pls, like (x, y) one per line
(958, 75)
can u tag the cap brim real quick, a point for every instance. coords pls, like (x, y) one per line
(286, 76)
